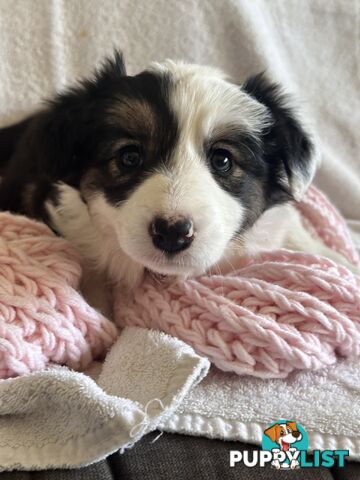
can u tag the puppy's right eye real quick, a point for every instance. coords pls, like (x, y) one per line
(221, 161)
(129, 158)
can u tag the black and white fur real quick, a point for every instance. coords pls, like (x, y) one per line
(66, 168)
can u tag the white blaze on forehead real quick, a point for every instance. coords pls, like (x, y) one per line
(203, 100)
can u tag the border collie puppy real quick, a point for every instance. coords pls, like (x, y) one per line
(175, 170)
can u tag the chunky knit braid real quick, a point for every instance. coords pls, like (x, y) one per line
(43, 319)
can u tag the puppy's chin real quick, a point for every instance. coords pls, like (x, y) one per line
(171, 268)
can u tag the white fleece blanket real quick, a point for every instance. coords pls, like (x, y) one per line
(61, 418)
(64, 419)
(325, 403)
(310, 46)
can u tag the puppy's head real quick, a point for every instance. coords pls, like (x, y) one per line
(177, 161)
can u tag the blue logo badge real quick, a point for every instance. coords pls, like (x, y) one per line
(286, 440)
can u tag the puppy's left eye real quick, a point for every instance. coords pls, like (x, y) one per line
(221, 160)
(129, 158)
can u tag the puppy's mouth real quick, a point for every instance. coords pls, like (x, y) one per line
(162, 268)
(179, 266)
(203, 253)
(157, 276)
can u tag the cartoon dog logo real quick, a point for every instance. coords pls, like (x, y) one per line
(285, 435)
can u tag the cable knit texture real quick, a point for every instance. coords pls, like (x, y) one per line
(278, 312)
(43, 318)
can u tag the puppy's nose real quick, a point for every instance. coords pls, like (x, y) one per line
(172, 236)
(296, 434)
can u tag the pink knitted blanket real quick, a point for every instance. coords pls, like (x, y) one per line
(278, 312)
(43, 319)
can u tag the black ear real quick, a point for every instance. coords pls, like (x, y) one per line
(111, 69)
(59, 142)
(71, 125)
(9, 138)
(287, 148)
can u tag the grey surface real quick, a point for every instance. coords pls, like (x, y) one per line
(179, 457)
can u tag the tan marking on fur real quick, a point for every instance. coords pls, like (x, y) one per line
(133, 115)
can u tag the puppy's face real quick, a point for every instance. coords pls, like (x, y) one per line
(177, 161)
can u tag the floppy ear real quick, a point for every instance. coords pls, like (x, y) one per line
(272, 432)
(287, 147)
(68, 127)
